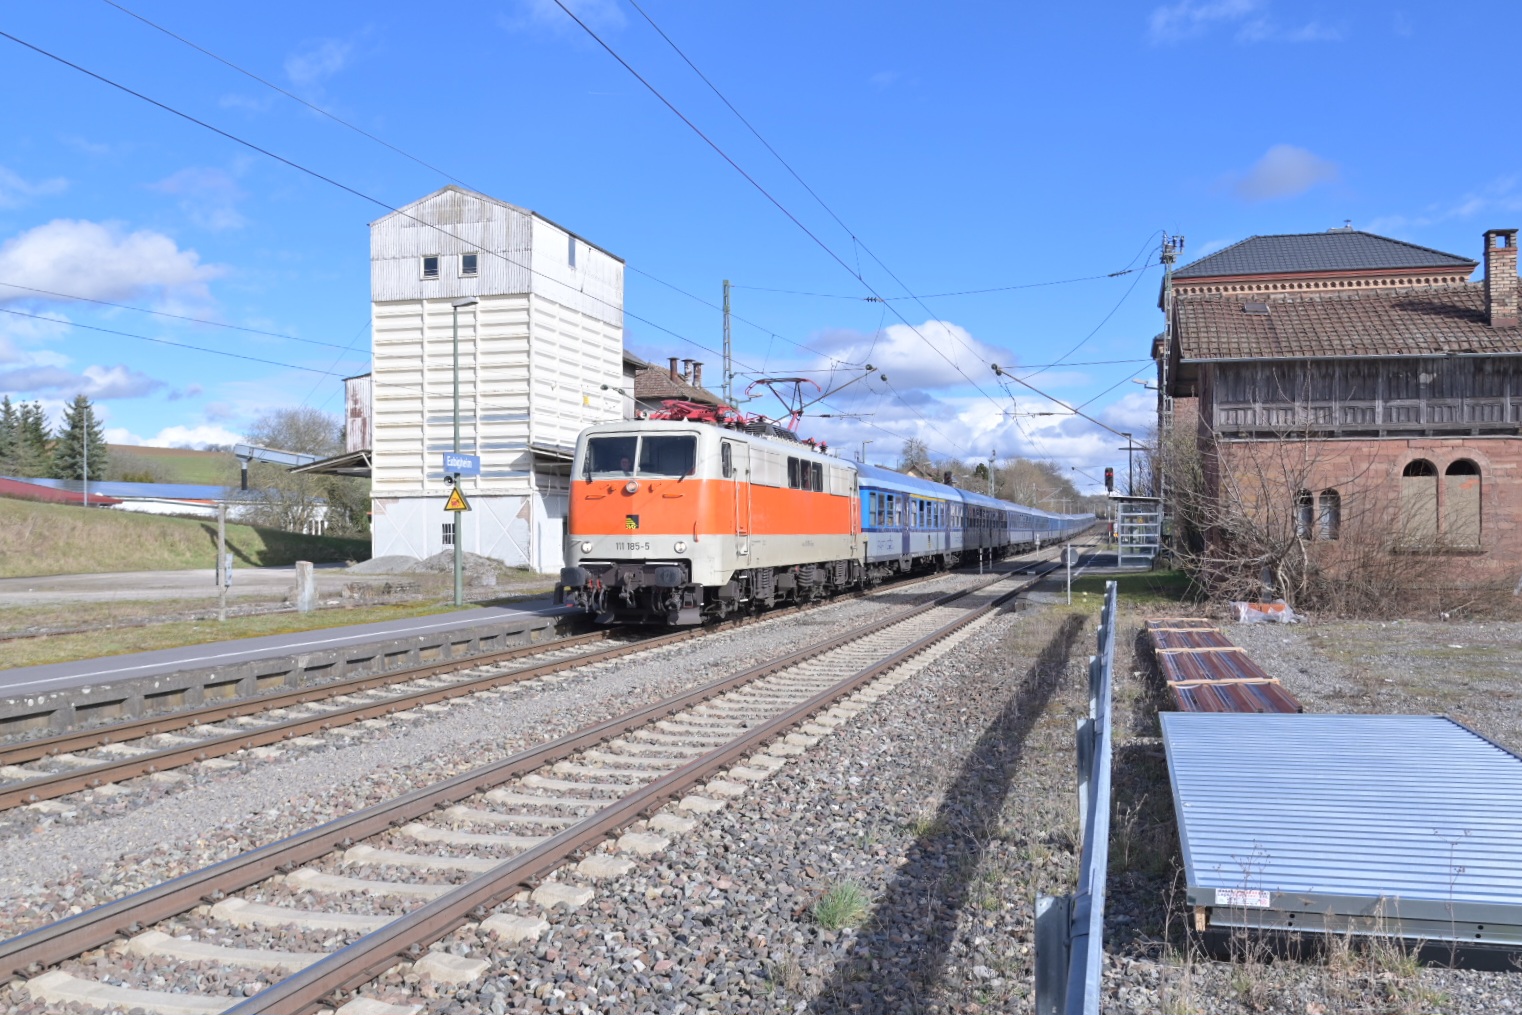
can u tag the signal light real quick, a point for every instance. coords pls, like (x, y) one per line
(1109, 479)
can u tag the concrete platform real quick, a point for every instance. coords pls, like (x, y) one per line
(62, 696)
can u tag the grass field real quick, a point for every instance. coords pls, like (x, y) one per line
(37, 539)
(1144, 588)
(118, 641)
(180, 465)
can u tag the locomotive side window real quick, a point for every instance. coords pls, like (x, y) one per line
(792, 473)
(816, 477)
(668, 456)
(727, 459)
(609, 457)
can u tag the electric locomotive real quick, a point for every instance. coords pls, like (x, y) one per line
(678, 521)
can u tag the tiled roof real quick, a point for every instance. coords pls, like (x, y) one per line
(1390, 322)
(653, 383)
(1304, 253)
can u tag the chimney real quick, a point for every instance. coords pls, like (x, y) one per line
(674, 375)
(687, 370)
(1501, 278)
(697, 374)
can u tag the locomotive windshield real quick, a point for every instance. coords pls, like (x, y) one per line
(614, 457)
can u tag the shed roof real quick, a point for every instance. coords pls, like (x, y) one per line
(1322, 814)
(1425, 321)
(1337, 250)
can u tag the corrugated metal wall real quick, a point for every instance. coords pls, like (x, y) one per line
(532, 368)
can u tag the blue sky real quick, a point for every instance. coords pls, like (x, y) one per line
(965, 146)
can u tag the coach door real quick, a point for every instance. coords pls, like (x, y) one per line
(736, 461)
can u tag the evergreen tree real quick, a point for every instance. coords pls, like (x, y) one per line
(10, 430)
(33, 458)
(80, 429)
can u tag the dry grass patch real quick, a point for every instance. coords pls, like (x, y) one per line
(106, 642)
(39, 539)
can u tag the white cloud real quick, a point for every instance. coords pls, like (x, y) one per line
(15, 191)
(101, 261)
(600, 15)
(94, 381)
(192, 436)
(911, 357)
(318, 61)
(1283, 171)
(1499, 196)
(208, 196)
(1190, 18)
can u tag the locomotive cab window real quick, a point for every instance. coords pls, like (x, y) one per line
(611, 457)
(727, 459)
(668, 456)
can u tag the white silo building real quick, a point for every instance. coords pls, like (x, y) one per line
(540, 354)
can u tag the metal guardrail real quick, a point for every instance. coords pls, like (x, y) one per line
(1070, 928)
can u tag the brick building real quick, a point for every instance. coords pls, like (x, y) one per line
(1342, 378)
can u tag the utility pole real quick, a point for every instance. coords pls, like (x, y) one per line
(993, 457)
(87, 461)
(459, 516)
(729, 365)
(222, 575)
(1172, 247)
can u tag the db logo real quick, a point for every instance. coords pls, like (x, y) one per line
(631, 522)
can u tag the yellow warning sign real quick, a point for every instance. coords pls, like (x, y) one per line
(456, 501)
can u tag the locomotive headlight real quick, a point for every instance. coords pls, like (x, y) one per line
(586, 546)
(680, 546)
(631, 487)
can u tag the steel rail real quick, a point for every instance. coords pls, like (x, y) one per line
(131, 729)
(58, 784)
(38, 748)
(368, 957)
(93, 928)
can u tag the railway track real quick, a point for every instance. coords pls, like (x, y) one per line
(47, 768)
(491, 848)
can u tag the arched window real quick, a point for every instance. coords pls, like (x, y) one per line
(1305, 515)
(1418, 504)
(1461, 504)
(1329, 520)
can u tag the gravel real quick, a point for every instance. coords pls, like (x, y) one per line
(125, 838)
(1466, 670)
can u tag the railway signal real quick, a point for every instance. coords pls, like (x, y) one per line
(1109, 480)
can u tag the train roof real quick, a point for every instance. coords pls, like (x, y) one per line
(887, 479)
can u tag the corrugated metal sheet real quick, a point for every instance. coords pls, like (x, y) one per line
(1398, 824)
(358, 431)
(1205, 672)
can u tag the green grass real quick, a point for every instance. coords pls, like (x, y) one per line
(39, 539)
(174, 634)
(181, 465)
(1147, 588)
(845, 905)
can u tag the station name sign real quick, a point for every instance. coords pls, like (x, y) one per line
(463, 465)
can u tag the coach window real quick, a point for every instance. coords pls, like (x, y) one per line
(727, 459)
(1418, 503)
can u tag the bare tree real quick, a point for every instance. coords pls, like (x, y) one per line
(294, 501)
(1311, 521)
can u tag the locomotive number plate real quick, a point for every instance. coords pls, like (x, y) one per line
(633, 544)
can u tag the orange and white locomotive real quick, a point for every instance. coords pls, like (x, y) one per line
(675, 521)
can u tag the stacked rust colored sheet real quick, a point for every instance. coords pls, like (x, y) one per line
(1207, 673)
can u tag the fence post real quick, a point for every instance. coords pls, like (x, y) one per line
(1054, 919)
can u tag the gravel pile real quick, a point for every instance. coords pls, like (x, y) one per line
(1466, 670)
(395, 563)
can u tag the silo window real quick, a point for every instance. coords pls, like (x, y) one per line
(431, 266)
(468, 264)
(570, 251)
